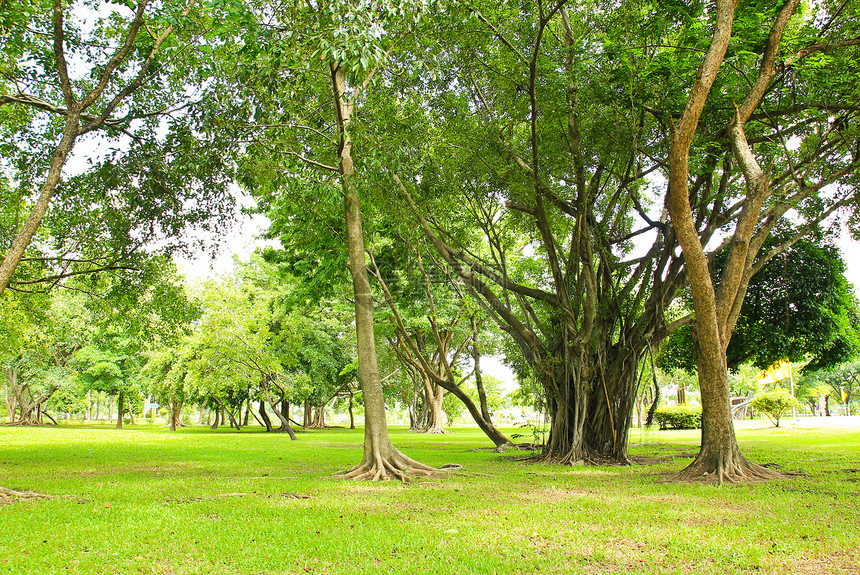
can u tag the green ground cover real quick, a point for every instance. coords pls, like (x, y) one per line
(144, 500)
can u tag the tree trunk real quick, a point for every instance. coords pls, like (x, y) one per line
(479, 380)
(120, 408)
(26, 233)
(380, 459)
(433, 398)
(216, 419)
(650, 420)
(285, 409)
(175, 414)
(719, 456)
(307, 422)
(496, 436)
(611, 403)
(285, 419)
(265, 416)
(351, 414)
(110, 408)
(319, 417)
(566, 378)
(247, 412)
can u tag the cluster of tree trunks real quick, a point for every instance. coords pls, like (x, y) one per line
(23, 406)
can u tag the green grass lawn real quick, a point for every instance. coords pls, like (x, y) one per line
(145, 500)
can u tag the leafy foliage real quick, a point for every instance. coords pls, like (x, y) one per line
(775, 404)
(679, 417)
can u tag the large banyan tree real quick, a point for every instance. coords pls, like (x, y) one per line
(544, 151)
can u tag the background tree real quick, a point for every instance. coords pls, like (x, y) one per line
(799, 307)
(117, 77)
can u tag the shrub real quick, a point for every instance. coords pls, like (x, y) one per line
(679, 417)
(775, 404)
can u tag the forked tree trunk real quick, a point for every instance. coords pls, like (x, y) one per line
(380, 460)
(719, 456)
(175, 413)
(283, 416)
(433, 399)
(319, 417)
(215, 420)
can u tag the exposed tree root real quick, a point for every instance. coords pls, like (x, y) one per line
(11, 496)
(395, 466)
(431, 430)
(583, 456)
(717, 470)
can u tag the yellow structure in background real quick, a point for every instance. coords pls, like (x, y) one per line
(775, 373)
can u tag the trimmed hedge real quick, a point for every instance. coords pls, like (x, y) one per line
(679, 417)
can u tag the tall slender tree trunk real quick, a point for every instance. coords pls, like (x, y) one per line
(307, 414)
(120, 408)
(479, 379)
(380, 460)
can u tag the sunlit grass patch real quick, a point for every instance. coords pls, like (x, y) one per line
(145, 500)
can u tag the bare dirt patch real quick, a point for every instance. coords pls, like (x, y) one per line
(829, 565)
(554, 495)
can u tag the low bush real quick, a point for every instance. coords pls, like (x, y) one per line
(679, 417)
(775, 404)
